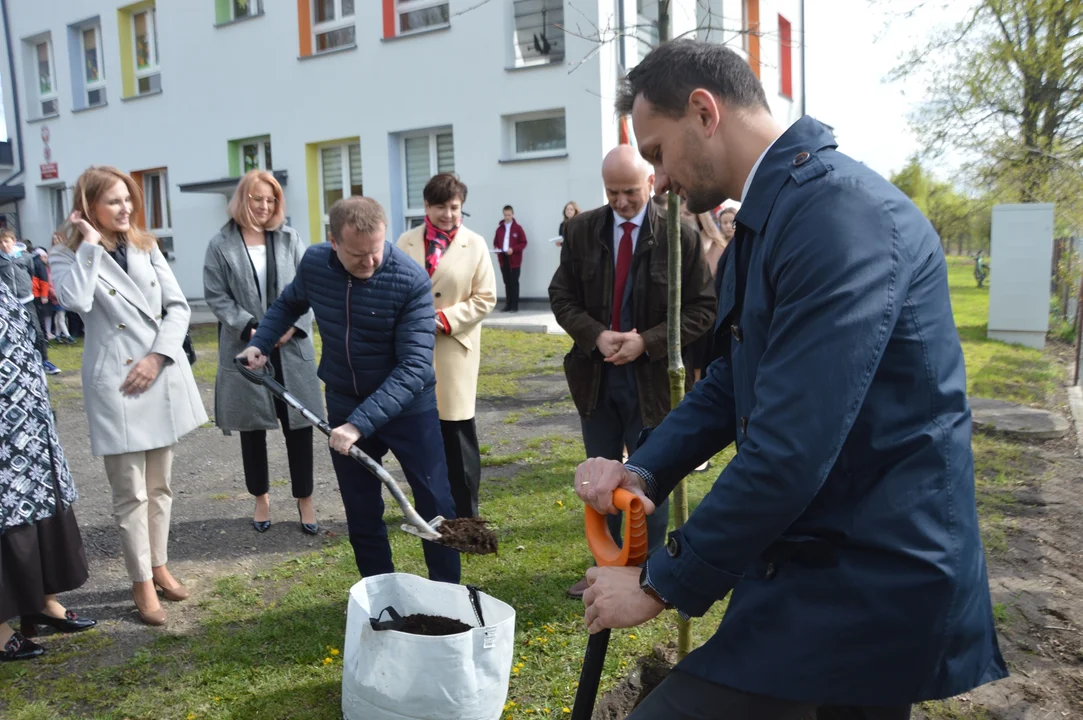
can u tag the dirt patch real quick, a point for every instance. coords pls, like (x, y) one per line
(434, 625)
(648, 674)
(469, 535)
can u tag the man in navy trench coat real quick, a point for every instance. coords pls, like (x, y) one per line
(846, 525)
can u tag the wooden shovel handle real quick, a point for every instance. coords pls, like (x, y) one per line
(601, 543)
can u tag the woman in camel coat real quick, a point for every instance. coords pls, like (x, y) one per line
(464, 292)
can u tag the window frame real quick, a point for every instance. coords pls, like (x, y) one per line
(99, 84)
(520, 61)
(54, 95)
(339, 23)
(162, 173)
(402, 7)
(152, 49)
(410, 213)
(511, 122)
(58, 204)
(255, 8)
(347, 178)
(263, 146)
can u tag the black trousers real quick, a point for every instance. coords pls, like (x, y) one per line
(415, 442)
(615, 424)
(685, 697)
(40, 343)
(463, 464)
(298, 450)
(511, 282)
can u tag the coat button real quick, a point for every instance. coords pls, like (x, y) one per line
(153, 283)
(771, 571)
(121, 326)
(88, 263)
(112, 291)
(801, 158)
(128, 361)
(673, 546)
(735, 330)
(437, 294)
(744, 426)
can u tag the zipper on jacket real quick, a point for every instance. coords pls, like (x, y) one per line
(349, 361)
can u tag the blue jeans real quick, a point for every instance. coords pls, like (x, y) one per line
(417, 444)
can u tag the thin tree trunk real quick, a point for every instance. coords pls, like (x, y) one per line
(673, 328)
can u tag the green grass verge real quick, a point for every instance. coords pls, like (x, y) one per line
(269, 646)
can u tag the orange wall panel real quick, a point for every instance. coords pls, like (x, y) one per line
(304, 27)
(752, 16)
(389, 18)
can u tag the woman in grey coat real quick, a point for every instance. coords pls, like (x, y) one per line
(248, 263)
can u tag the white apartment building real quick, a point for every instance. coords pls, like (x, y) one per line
(342, 97)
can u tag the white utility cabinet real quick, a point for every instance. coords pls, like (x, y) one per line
(1021, 259)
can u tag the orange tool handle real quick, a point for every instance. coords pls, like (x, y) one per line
(601, 542)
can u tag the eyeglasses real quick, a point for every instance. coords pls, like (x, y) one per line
(260, 200)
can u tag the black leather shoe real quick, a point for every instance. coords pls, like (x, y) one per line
(70, 623)
(307, 528)
(19, 648)
(261, 526)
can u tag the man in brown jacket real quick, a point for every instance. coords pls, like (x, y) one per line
(610, 294)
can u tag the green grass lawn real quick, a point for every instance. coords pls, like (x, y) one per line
(270, 646)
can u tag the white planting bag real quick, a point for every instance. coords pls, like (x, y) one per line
(392, 675)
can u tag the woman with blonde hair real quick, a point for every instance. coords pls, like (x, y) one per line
(248, 263)
(138, 389)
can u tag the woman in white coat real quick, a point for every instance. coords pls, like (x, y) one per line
(138, 388)
(464, 292)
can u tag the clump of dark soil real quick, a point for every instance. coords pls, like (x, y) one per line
(648, 674)
(469, 535)
(434, 625)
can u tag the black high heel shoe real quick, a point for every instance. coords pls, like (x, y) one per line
(261, 526)
(70, 623)
(19, 648)
(307, 528)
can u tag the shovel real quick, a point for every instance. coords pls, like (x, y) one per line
(606, 553)
(416, 525)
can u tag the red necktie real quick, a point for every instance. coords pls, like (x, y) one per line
(620, 279)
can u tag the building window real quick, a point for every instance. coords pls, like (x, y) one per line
(93, 66)
(145, 46)
(424, 156)
(536, 135)
(646, 33)
(43, 52)
(333, 24)
(59, 202)
(340, 176)
(255, 154)
(156, 208)
(785, 60)
(415, 15)
(539, 34)
(240, 9)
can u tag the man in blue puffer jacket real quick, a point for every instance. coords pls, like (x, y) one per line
(374, 308)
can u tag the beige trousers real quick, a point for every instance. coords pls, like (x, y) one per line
(142, 501)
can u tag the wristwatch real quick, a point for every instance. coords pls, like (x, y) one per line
(645, 586)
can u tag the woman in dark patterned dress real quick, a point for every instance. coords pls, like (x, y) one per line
(41, 550)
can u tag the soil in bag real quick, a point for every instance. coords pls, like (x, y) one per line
(434, 625)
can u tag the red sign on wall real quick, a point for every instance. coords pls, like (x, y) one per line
(49, 171)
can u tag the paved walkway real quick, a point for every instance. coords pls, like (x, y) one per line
(533, 316)
(1017, 421)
